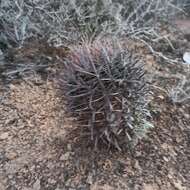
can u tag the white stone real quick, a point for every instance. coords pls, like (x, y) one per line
(186, 57)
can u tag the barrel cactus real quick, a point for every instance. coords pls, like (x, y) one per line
(106, 90)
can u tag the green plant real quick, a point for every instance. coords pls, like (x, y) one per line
(105, 88)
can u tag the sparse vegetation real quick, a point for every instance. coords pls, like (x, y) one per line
(79, 74)
(63, 22)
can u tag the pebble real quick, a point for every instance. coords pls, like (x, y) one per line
(4, 136)
(161, 97)
(187, 116)
(11, 155)
(51, 181)
(186, 57)
(138, 154)
(69, 147)
(137, 165)
(65, 156)
(37, 185)
(166, 159)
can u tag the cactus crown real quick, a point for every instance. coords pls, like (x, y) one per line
(106, 90)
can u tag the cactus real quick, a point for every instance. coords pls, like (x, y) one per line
(105, 88)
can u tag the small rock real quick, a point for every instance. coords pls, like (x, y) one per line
(11, 155)
(137, 166)
(161, 97)
(138, 154)
(10, 176)
(186, 57)
(170, 176)
(4, 136)
(166, 159)
(187, 116)
(178, 139)
(65, 156)
(51, 181)
(36, 185)
(69, 147)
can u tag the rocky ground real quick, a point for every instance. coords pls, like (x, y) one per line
(41, 149)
